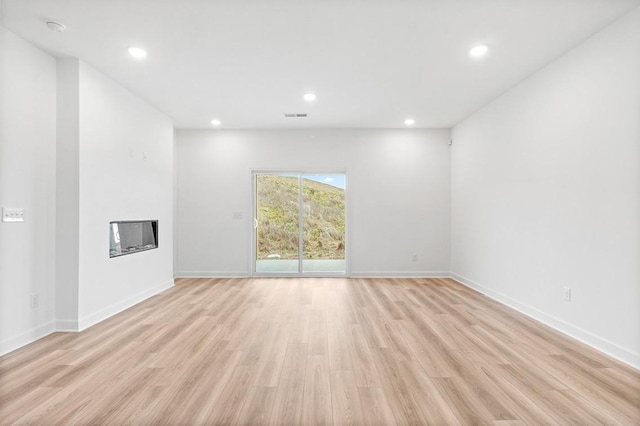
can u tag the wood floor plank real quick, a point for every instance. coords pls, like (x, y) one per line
(430, 402)
(317, 392)
(318, 339)
(345, 400)
(243, 329)
(318, 298)
(258, 406)
(210, 390)
(371, 327)
(118, 398)
(84, 383)
(482, 390)
(273, 355)
(300, 326)
(15, 409)
(517, 399)
(338, 345)
(233, 397)
(287, 351)
(406, 409)
(288, 404)
(433, 358)
(364, 367)
(457, 397)
(394, 338)
(375, 407)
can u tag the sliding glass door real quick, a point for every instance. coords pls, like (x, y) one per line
(299, 223)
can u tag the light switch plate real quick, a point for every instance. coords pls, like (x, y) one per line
(12, 214)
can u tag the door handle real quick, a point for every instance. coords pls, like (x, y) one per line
(255, 223)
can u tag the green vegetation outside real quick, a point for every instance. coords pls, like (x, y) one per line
(323, 218)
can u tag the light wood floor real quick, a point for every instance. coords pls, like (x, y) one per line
(316, 351)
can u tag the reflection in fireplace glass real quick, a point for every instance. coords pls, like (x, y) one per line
(128, 237)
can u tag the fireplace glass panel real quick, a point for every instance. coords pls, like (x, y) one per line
(127, 237)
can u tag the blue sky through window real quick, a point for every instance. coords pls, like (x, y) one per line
(336, 180)
(333, 179)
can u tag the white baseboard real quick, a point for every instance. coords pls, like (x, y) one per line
(352, 274)
(398, 274)
(23, 339)
(109, 311)
(614, 350)
(211, 274)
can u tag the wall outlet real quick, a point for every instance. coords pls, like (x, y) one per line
(12, 214)
(414, 258)
(35, 300)
(567, 294)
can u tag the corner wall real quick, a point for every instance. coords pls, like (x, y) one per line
(126, 173)
(546, 193)
(397, 195)
(67, 194)
(115, 162)
(27, 180)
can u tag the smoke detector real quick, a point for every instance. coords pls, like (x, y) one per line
(56, 27)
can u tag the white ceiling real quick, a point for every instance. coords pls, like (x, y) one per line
(372, 63)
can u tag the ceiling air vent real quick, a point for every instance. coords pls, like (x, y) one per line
(295, 115)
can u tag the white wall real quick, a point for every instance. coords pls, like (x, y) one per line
(27, 180)
(546, 193)
(126, 173)
(67, 194)
(397, 195)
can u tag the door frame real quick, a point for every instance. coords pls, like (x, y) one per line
(253, 233)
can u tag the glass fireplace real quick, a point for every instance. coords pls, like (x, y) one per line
(132, 236)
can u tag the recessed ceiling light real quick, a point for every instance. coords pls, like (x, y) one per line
(310, 97)
(216, 122)
(409, 121)
(479, 51)
(136, 52)
(55, 26)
